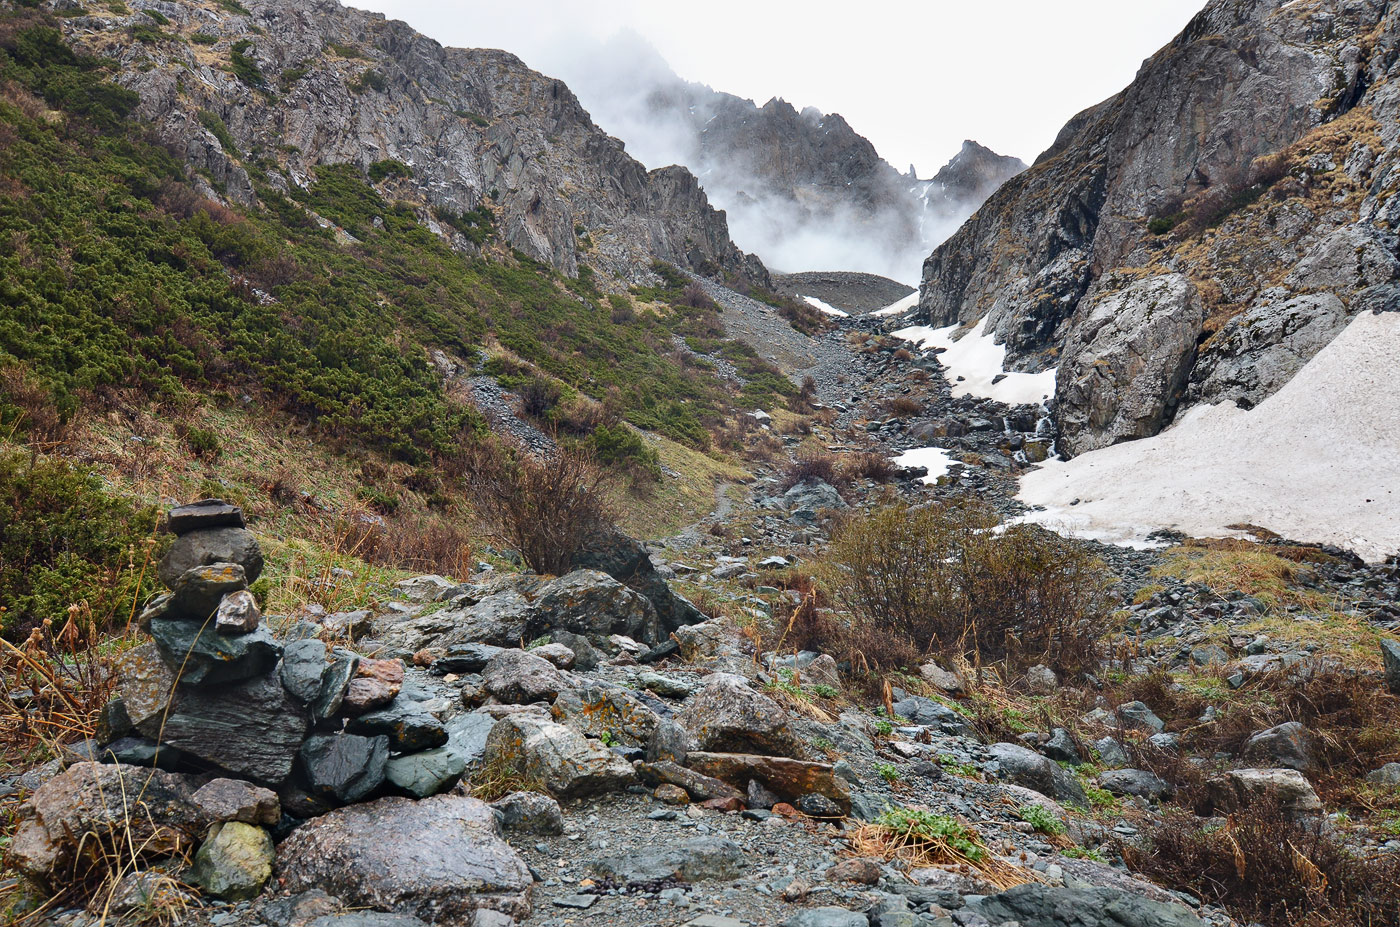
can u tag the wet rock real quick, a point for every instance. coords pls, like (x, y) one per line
(335, 682)
(1052, 906)
(206, 513)
(212, 545)
(696, 860)
(1287, 745)
(1137, 782)
(139, 751)
(599, 710)
(1061, 748)
(1137, 716)
(303, 664)
(593, 604)
(201, 656)
(1239, 788)
(238, 613)
(697, 786)
(149, 809)
(374, 685)
(344, 767)
(567, 763)
(727, 715)
(373, 855)
(408, 727)
(200, 590)
(234, 862)
(1027, 768)
(787, 778)
(432, 771)
(465, 658)
(223, 800)
(529, 813)
(251, 729)
(517, 677)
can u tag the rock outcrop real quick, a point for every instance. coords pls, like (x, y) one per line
(286, 88)
(1251, 162)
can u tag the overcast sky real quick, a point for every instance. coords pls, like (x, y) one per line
(916, 78)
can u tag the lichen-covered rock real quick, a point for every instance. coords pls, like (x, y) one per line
(440, 859)
(407, 726)
(518, 677)
(224, 800)
(563, 760)
(201, 656)
(373, 685)
(529, 813)
(238, 613)
(593, 604)
(149, 809)
(599, 710)
(727, 715)
(234, 862)
(212, 545)
(199, 590)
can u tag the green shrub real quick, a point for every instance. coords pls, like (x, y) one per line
(201, 442)
(1042, 819)
(65, 541)
(204, 38)
(214, 124)
(382, 170)
(618, 445)
(932, 834)
(476, 224)
(370, 80)
(244, 67)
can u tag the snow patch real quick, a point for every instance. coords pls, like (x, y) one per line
(978, 360)
(902, 305)
(824, 307)
(1315, 462)
(936, 459)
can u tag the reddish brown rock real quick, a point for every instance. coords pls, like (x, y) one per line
(374, 685)
(787, 778)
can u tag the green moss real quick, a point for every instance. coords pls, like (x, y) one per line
(214, 124)
(244, 67)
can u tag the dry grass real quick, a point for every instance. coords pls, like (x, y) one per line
(922, 839)
(1273, 574)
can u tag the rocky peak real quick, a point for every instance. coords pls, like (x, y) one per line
(1159, 179)
(292, 86)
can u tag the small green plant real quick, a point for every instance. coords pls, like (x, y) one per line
(1042, 819)
(345, 51)
(204, 38)
(244, 67)
(538, 642)
(1100, 799)
(888, 771)
(214, 124)
(884, 728)
(952, 765)
(202, 443)
(608, 739)
(821, 690)
(1088, 853)
(159, 18)
(932, 834)
(370, 80)
(821, 743)
(382, 170)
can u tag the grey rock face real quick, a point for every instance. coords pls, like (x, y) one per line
(1239, 788)
(593, 604)
(806, 501)
(252, 729)
(1137, 782)
(569, 764)
(372, 855)
(519, 677)
(1025, 767)
(1287, 745)
(1125, 362)
(626, 560)
(201, 656)
(212, 545)
(303, 663)
(727, 715)
(695, 860)
(529, 813)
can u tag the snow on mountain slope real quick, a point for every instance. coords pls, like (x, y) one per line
(1317, 461)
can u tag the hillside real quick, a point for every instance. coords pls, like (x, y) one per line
(1159, 259)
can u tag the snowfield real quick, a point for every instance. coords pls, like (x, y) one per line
(936, 459)
(902, 305)
(1317, 461)
(824, 307)
(974, 361)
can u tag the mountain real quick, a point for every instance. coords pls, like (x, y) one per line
(1199, 236)
(802, 189)
(272, 92)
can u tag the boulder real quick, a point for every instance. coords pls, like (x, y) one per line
(597, 710)
(696, 860)
(1027, 768)
(670, 742)
(429, 772)
(201, 656)
(223, 800)
(144, 684)
(1080, 906)
(563, 760)
(344, 767)
(199, 590)
(702, 640)
(697, 786)
(465, 658)
(667, 686)
(930, 713)
(1287, 745)
(440, 859)
(809, 500)
(789, 779)
(1240, 788)
(529, 813)
(303, 664)
(104, 804)
(822, 672)
(234, 862)
(1137, 716)
(212, 545)
(1390, 658)
(1061, 748)
(517, 677)
(626, 560)
(206, 513)
(373, 685)
(593, 604)
(251, 729)
(1138, 782)
(425, 588)
(727, 715)
(408, 727)
(557, 654)
(1389, 774)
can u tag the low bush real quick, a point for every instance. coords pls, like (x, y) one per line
(903, 406)
(423, 543)
(947, 579)
(543, 509)
(808, 466)
(868, 465)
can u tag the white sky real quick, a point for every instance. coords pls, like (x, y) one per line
(916, 78)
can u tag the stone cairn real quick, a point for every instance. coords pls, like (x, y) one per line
(304, 725)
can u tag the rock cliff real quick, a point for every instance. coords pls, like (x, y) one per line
(263, 96)
(1249, 168)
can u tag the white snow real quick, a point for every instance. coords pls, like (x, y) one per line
(824, 307)
(902, 305)
(978, 360)
(935, 458)
(1317, 461)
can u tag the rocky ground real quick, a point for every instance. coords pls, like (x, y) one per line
(593, 749)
